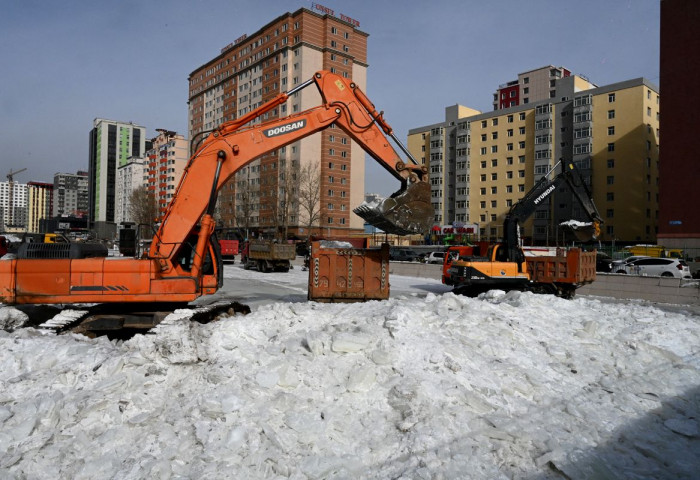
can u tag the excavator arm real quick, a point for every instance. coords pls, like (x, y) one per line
(182, 262)
(524, 208)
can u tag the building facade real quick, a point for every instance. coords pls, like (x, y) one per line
(531, 86)
(166, 161)
(130, 176)
(112, 143)
(13, 199)
(70, 194)
(254, 69)
(39, 204)
(679, 219)
(611, 133)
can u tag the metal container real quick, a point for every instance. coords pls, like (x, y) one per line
(346, 274)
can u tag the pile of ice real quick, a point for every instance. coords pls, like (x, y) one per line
(506, 386)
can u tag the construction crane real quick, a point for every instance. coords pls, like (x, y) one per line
(11, 204)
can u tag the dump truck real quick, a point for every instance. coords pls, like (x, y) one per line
(268, 256)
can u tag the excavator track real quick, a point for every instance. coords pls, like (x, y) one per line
(123, 321)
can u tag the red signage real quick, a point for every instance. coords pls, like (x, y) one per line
(323, 9)
(351, 21)
(329, 11)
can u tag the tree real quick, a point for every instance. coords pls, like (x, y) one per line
(143, 210)
(309, 195)
(245, 199)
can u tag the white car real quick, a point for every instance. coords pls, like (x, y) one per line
(435, 257)
(661, 267)
(618, 266)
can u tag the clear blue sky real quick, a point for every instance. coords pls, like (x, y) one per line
(66, 63)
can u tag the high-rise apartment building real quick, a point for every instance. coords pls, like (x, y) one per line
(13, 210)
(531, 86)
(166, 160)
(39, 204)
(679, 217)
(70, 194)
(129, 177)
(254, 69)
(481, 164)
(112, 143)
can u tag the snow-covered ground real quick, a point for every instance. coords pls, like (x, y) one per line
(424, 385)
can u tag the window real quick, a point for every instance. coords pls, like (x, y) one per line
(610, 197)
(494, 190)
(522, 116)
(494, 149)
(611, 130)
(483, 137)
(509, 160)
(521, 144)
(494, 135)
(611, 147)
(510, 118)
(610, 213)
(494, 162)
(611, 163)
(483, 177)
(648, 111)
(483, 124)
(611, 114)
(521, 173)
(611, 97)
(494, 176)
(483, 164)
(509, 132)
(494, 122)
(611, 180)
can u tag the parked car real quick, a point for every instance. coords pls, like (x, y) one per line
(618, 266)
(662, 267)
(403, 255)
(435, 257)
(603, 262)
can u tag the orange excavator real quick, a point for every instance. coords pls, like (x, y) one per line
(184, 262)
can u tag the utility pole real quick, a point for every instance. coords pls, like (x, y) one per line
(11, 186)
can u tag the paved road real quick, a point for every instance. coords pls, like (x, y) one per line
(253, 288)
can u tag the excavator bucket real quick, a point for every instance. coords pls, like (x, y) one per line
(406, 212)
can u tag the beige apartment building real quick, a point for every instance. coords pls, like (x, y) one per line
(39, 204)
(481, 164)
(263, 197)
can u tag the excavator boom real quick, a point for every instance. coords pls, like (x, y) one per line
(183, 263)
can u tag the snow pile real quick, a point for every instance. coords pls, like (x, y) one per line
(507, 385)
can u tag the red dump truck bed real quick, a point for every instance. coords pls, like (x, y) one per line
(571, 266)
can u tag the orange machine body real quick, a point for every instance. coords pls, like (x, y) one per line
(183, 263)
